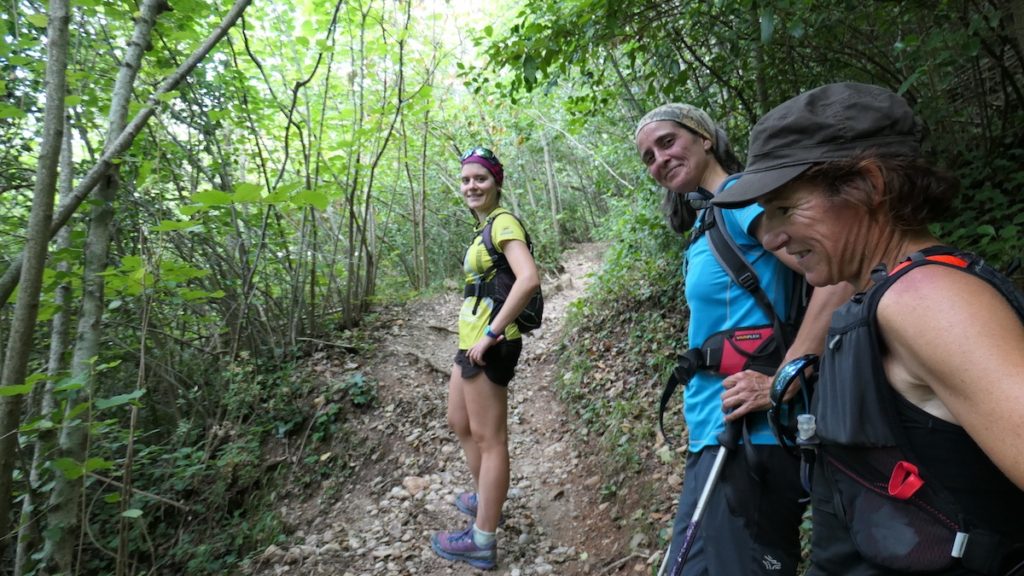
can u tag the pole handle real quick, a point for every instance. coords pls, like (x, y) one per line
(730, 437)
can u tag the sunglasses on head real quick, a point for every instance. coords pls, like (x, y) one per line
(782, 415)
(482, 152)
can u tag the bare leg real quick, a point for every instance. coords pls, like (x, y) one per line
(458, 420)
(487, 407)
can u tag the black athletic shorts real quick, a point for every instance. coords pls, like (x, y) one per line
(501, 359)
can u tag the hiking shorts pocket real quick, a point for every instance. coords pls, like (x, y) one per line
(502, 359)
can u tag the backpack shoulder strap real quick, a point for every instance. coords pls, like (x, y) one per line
(488, 242)
(953, 258)
(730, 257)
(498, 258)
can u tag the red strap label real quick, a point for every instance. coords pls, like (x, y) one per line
(904, 480)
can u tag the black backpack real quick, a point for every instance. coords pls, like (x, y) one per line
(501, 280)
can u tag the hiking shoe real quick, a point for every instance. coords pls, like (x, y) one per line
(460, 547)
(467, 504)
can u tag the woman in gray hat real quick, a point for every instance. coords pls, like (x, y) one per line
(919, 406)
(750, 522)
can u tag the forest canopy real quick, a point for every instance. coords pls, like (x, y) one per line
(196, 193)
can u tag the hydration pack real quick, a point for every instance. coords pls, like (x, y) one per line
(867, 466)
(500, 278)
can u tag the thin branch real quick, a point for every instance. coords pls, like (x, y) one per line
(10, 278)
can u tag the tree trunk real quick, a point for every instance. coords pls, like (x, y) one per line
(63, 517)
(1017, 11)
(552, 192)
(422, 263)
(759, 67)
(19, 344)
(29, 534)
(525, 176)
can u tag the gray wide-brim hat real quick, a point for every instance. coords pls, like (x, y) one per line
(832, 122)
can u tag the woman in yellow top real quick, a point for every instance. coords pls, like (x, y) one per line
(489, 349)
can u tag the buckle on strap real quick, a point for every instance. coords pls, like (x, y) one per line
(479, 289)
(687, 364)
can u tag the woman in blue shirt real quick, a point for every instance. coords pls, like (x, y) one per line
(751, 522)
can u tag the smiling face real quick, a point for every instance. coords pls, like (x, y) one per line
(479, 189)
(832, 239)
(675, 157)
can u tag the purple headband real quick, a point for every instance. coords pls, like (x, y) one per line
(493, 167)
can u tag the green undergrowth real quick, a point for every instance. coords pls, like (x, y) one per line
(988, 217)
(619, 345)
(210, 484)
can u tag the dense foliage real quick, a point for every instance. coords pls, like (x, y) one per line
(282, 180)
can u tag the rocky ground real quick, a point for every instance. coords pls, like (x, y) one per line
(379, 519)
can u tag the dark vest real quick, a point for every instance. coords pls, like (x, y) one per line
(909, 504)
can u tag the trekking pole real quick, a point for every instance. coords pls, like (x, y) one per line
(727, 440)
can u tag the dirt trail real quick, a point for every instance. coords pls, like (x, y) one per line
(379, 520)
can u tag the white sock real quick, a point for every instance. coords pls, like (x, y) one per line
(481, 538)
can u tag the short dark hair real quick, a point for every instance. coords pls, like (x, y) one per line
(916, 193)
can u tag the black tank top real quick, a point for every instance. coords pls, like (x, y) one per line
(955, 460)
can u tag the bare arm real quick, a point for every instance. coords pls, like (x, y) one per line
(527, 282)
(955, 348)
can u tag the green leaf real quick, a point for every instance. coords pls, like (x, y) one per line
(248, 192)
(144, 170)
(986, 229)
(103, 403)
(132, 513)
(168, 96)
(8, 111)
(16, 390)
(24, 388)
(283, 193)
(76, 410)
(37, 20)
(171, 225)
(212, 198)
(70, 383)
(38, 424)
(529, 70)
(200, 295)
(112, 498)
(107, 366)
(318, 200)
(97, 464)
(71, 469)
(910, 81)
